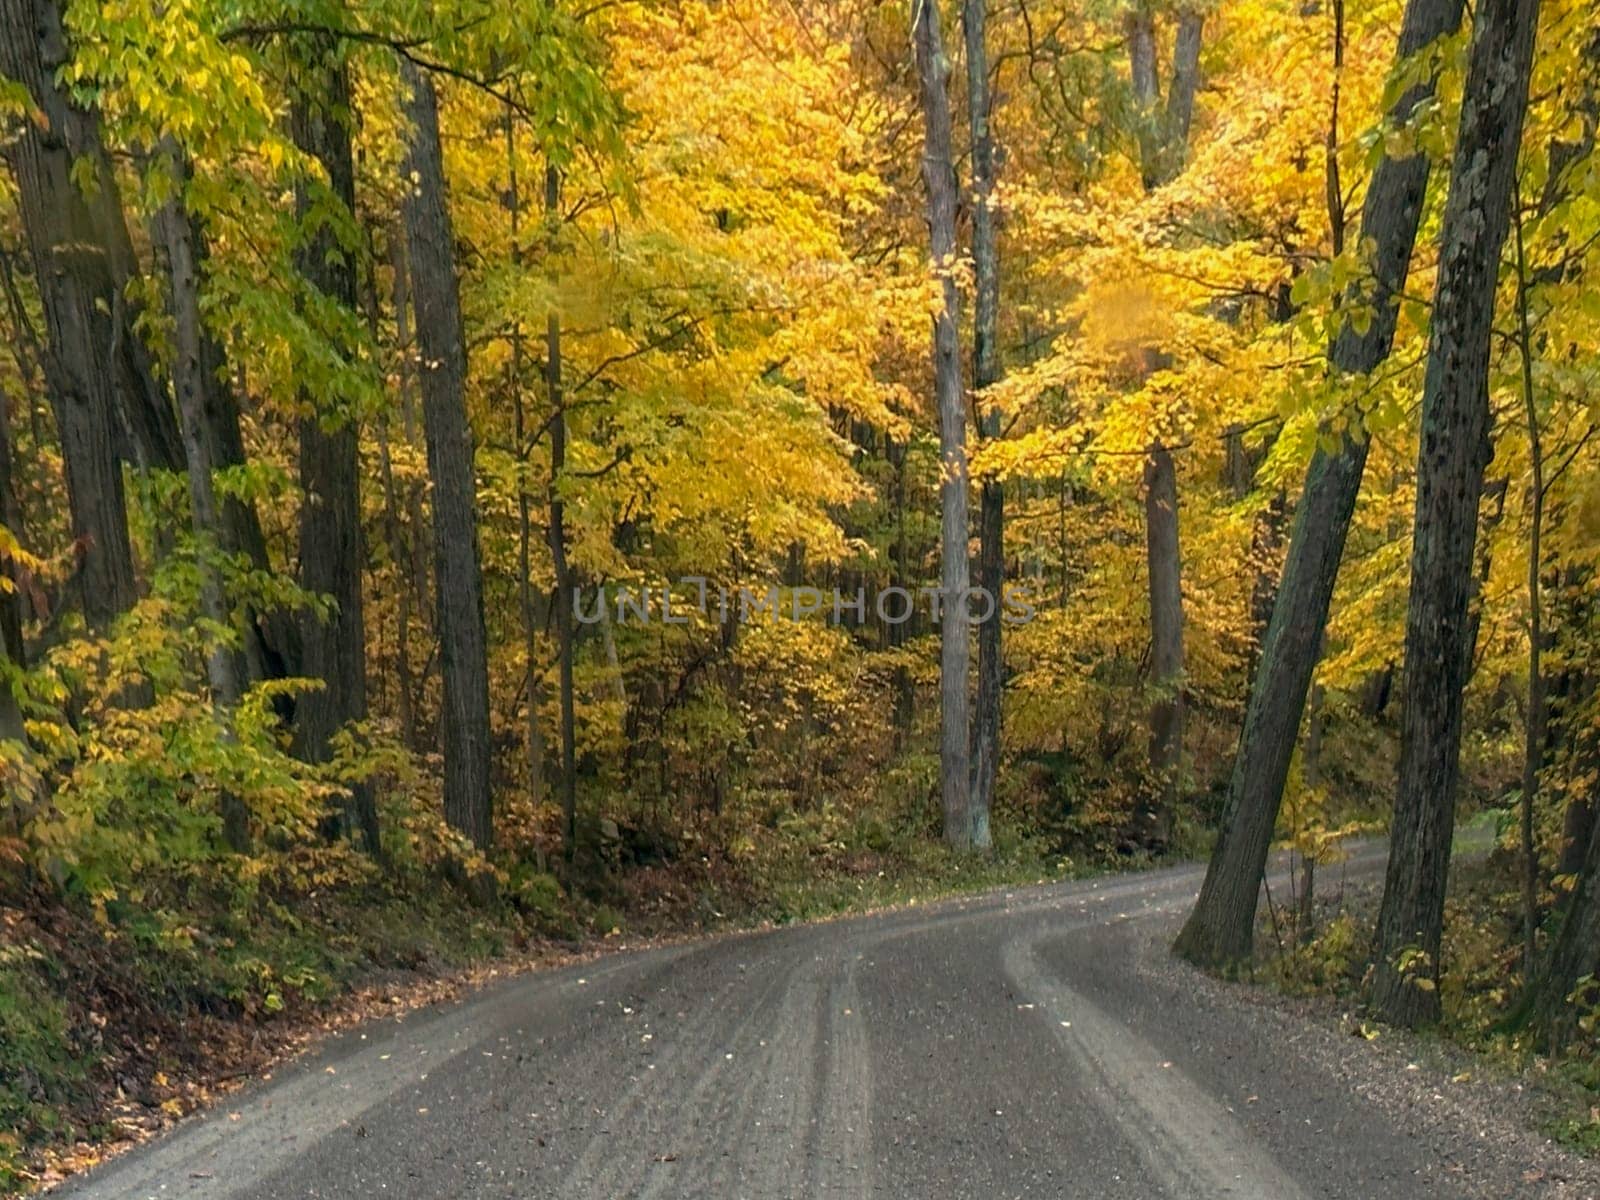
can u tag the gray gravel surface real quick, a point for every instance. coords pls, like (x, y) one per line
(1032, 1043)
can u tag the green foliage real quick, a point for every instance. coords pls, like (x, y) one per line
(1331, 961)
(41, 1069)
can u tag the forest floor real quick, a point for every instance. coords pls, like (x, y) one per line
(112, 1032)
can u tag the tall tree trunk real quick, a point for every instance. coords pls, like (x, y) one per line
(407, 516)
(1574, 952)
(12, 518)
(1166, 648)
(441, 346)
(11, 726)
(1536, 724)
(985, 371)
(399, 555)
(333, 650)
(939, 176)
(1573, 957)
(1577, 827)
(527, 608)
(1221, 927)
(895, 634)
(1140, 29)
(224, 669)
(13, 653)
(272, 638)
(26, 788)
(1163, 143)
(565, 634)
(1455, 450)
(82, 309)
(151, 434)
(1165, 153)
(1266, 551)
(1578, 821)
(1181, 91)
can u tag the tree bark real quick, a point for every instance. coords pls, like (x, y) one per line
(1166, 646)
(1455, 450)
(985, 371)
(1578, 821)
(151, 434)
(12, 518)
(1266, 549)
(400, 519)
(939, 177)
(1536, 723)
(1576, 949)
(13, 653)
(82, 309)
(565, 634)
(527, 608)
(272, 647)
(1577, 827)
(441, 347)
(333, 650)
(1180, 98)
(224, 670)
(1221, 927)
(1163, 142)
(1574, 957)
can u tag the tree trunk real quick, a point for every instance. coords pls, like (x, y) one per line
(400, 555)
(82, 309)
(224, 670)
(333, 650)
(1577, 827)
(1311, 774)
(1180, 100)
(527, 608)
(939, 176)
(1266, 550)
(13, 653)
(1576, 950)
(1181, 91)
(152, 439)
(1221, 927)
(11, 517)
(565, 634)
(273, 637)
(1140, 29)
(403, 521)
(1575, 956)
(985, 371)
(11, 726)
(1163, 142)
(1166, 649)
(441, 347)
(1454, 452)
(1536, 723)
(895, 635)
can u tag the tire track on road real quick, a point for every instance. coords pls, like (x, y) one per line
(1188, 1139)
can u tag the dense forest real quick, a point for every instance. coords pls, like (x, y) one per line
(576, 460)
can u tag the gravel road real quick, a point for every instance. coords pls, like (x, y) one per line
(1032, 1043)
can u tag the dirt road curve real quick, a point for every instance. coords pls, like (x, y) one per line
(1036, 1043)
